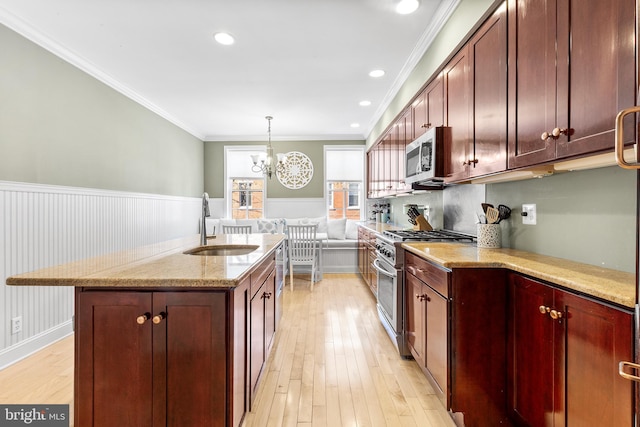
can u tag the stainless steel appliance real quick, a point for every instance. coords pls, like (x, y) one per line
(424, 157)
(390, 266)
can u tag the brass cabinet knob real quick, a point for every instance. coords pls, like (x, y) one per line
(426, 125)
(159, 317)
(555, 315)
(267, 295)
(543, 309)
(545, 136)
(143, 318)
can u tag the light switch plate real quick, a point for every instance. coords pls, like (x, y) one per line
(531, 217)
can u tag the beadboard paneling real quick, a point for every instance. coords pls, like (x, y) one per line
(42, 225)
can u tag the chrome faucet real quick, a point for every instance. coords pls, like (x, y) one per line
(205, 214)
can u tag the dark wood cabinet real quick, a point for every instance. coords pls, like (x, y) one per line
(179, 357)
(572, 69)
(428, 108)
(460, 348)
(564, 351)
(476, 99)
(152, 358)
(458, 93)
(261, 322)
(366, 257)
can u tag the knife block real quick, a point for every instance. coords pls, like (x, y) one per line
(422, 224)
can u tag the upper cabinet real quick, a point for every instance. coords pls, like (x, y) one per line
(428, 108)
(476, 101)
(572, 68)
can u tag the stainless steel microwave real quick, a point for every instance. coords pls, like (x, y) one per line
(424, 160)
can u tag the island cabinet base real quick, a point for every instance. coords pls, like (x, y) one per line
(160, 358)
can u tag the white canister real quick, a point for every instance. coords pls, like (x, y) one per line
(489, 236)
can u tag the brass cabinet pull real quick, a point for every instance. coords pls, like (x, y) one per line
(422, 297)
(143, 318)
(426, 125)
(159, 317)
(619, 138)
(267, 295)
(545, 136)
(544, 309)
(626, 375)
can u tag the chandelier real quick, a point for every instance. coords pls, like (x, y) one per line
(266, 166)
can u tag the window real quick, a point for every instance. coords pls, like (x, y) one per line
(247, 198)
(344, 200)
(245, 191)
(344, 175)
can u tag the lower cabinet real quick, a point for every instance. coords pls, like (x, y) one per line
(563, 357)
(366, 256)
(183, 357)
(147, 358)
(455, 328)
(261, 330)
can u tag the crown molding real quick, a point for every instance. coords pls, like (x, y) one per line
(27, 30)
(442, 14)
(262, 138)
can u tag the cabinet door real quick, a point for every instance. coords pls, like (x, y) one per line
(420, 114)
(532, 81)
(415, 302)
(435, 103)
(269, 311)
(597, 338)
(189, 358)
(437, 348)
(256, 350)
(488, 53)
(596, 72)
(530, 353)
(114, 363)
(458, 94)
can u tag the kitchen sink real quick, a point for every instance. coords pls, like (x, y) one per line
(222, 250)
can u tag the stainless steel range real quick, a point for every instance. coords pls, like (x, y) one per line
(390, 266)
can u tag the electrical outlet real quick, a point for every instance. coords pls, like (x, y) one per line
(16, 325)
(529, 215)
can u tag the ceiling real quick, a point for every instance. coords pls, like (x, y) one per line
(304, 62)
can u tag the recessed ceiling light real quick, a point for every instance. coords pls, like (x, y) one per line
(405, 7)
(365, 103)
(355, 125)
(376, 73)
(224, 38)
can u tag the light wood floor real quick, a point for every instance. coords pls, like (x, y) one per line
(331, 365)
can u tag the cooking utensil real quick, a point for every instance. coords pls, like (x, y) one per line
(493, 215)
(504, 212)
(485, 206)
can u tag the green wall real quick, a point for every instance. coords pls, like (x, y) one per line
(59, 125)
(214, 167)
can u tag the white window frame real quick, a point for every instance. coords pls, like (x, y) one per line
(327, 202)
(228, 179)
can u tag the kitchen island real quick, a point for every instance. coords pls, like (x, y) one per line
(167, 338)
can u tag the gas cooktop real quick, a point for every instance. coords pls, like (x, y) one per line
(435, 235)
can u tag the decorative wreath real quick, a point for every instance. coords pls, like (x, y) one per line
(296, 172)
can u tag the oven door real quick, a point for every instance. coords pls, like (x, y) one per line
(388, 292)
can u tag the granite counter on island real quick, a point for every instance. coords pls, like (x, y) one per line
(164, 338)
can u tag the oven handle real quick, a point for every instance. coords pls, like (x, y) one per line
(381, 270)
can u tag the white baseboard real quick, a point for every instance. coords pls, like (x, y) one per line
(25, 348)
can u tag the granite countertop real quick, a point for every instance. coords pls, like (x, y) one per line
(159, 265)
(379, 227)
(606, 284)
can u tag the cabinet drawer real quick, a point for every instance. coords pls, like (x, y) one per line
(260, 274)
(433, 276)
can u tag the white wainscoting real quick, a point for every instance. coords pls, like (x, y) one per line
(45, 225)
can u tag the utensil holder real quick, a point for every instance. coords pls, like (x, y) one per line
(489, 236)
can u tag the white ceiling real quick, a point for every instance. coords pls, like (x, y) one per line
(305, 62)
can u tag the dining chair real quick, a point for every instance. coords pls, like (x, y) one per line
(236, 229)
(303, 249)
